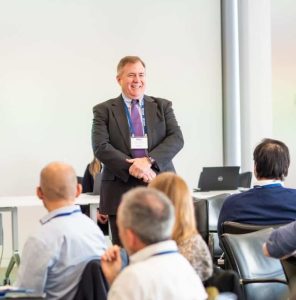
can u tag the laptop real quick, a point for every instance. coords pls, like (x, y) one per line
(219, 178)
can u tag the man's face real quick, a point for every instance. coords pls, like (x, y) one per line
(132, 80)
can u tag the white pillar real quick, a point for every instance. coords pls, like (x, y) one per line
(231, 84)
(255, 76)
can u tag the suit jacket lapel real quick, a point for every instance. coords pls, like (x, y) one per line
(121, 119)
(150, 115)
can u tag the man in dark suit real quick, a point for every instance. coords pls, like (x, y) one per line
(129, 159)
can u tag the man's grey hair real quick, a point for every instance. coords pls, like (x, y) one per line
(148, 213)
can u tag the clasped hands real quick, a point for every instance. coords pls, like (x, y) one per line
(141, 168)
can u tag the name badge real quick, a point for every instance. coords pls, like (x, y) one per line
(139, 142)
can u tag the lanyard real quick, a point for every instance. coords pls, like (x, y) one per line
(267, 186)
(165, 252)
(130, 123)
(64, 214)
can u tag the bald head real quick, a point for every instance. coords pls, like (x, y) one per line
(58, 181)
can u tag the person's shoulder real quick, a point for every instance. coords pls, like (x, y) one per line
(233, 197)
(38, 240)
(107, 103)
(289, 190)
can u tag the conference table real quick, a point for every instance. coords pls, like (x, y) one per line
(210, 194)
(13, 203)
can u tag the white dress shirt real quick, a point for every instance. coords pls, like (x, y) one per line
(158, 272)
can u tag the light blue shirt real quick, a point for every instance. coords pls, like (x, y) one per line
(53, 259)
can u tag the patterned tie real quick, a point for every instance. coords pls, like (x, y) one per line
(138, 127)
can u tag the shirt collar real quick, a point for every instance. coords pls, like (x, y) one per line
(153, 249)
(128, 101)
(67, 209)
(268, 182)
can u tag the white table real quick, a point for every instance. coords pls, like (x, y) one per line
(206, 195)
(12, 203)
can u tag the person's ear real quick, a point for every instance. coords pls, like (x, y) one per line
(130, 238)
(255, 173)
(39, 193)
(118, 78)
(78, 190)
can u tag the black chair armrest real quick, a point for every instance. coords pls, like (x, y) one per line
(262, 280)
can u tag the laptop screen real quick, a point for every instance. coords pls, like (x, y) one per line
(219, 178)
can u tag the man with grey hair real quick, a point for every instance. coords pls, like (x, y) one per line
(54, 258)
(134, 135)
(157, 270)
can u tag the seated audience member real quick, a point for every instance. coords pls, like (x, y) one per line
(157, 270)
(282, 242)
(54, 258)
(269, 202)
(91, 173)
(189, 241)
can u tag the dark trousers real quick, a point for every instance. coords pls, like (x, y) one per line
(104, 227)
(114, 230)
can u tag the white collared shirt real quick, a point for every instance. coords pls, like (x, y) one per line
(159, 272)
(128, 103)
(268, 182)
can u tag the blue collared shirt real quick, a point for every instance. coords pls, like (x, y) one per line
(53, 259)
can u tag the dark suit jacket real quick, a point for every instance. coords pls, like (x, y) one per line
(111, 145)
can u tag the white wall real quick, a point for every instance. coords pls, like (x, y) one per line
(58, 59)
(283, 25)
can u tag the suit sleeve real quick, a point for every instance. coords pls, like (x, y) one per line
(112, 158)
(282, 242)
(165, 151)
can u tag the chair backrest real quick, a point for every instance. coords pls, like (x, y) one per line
(262, 277)
(289, 266)
(207, 213)
(201, 217)
(214, 207)
(93, 284)
(245, 179)
(241, 228)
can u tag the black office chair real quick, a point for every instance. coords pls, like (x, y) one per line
(201, 217)
(261, 277)
(245, 179)
(93, 284)
(241, 228)
(14, 260)
(207, 213)
(225, 281)
(289, 266)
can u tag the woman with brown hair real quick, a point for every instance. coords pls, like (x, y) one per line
(189, 241)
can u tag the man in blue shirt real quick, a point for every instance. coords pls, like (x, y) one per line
(269, 202)
(54, 258)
